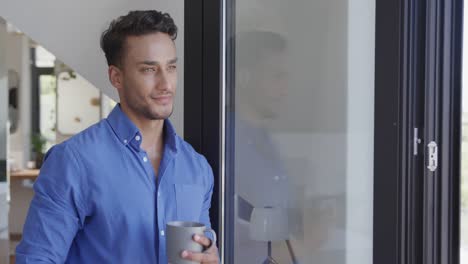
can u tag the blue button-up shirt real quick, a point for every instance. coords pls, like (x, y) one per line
(99, 200)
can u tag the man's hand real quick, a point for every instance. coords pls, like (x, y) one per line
(209, 256)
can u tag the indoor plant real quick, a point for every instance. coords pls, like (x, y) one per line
(38, 143)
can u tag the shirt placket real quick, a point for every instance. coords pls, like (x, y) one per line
(143, 157)
(151, 174)
(161, 196)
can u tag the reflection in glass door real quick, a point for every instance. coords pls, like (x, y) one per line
(302, 118)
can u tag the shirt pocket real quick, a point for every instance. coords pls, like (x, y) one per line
(189, 202)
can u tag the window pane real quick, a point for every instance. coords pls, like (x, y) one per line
(304, 125)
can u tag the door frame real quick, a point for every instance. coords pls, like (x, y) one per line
(398, 157)
(443, 45)
(202, 94)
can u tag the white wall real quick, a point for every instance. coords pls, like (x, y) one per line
(3, 92)
(71, 31)
(75, 111)
(18, 59)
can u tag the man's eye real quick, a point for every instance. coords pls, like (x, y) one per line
(172, 67)
(148, 70)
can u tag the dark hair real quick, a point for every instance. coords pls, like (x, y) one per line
(135, 23)
(255, 46)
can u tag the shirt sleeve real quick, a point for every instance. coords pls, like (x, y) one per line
(57, 210)
(205, 214)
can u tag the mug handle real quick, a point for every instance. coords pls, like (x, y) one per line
(208, 229)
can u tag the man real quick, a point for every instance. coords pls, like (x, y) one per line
(105, 195)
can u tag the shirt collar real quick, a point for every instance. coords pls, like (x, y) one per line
(170, 136)
(128, 132)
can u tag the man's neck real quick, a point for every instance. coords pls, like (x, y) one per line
(151, 130)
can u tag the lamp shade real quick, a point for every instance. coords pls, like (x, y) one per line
(269, 224)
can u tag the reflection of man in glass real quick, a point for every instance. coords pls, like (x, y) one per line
(260, 180)
(260, 177)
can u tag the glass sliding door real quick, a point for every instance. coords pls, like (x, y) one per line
(319, 136)
(300, 122)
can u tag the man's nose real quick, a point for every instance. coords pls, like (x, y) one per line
(164, 83)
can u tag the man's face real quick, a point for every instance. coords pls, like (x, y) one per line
(268, 86)
(147, 77)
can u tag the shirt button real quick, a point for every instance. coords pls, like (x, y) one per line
(145, 159)
(159, 194)
(162, 232)
(138, 138)
(125, 141)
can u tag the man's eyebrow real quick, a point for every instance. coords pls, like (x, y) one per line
(153, 63)
(146, 62)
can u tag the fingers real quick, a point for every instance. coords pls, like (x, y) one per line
(200, 257)
(209, 256)
(202, 240)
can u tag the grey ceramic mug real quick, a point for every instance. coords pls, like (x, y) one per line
(179, 237)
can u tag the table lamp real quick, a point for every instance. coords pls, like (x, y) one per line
(269, 224)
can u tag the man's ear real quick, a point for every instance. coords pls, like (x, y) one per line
(115, 76)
